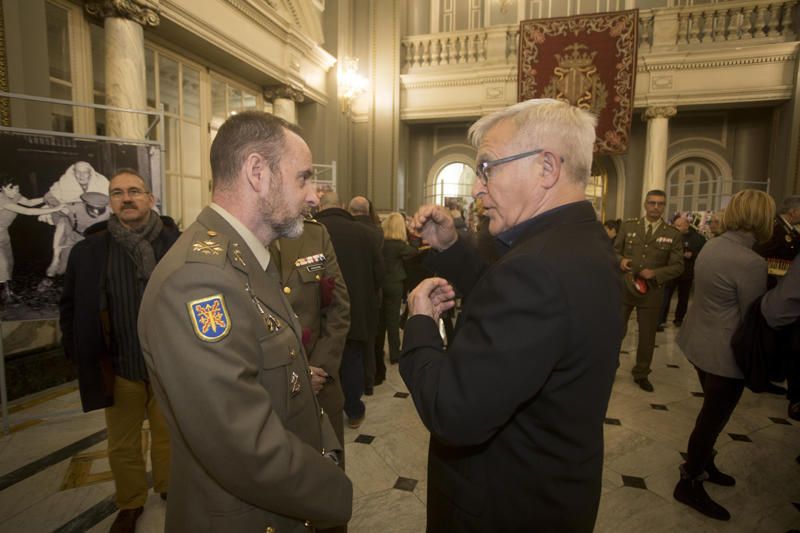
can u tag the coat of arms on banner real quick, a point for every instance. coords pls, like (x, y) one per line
(588, 61)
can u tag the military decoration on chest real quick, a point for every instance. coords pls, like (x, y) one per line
(210, 319)
(312, 262)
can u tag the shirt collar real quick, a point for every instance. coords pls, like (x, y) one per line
(511, 235)
(655, 224)
(256, 246)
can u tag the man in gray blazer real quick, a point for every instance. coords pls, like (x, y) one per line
(252, 450)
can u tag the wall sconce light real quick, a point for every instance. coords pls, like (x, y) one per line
(351, 83)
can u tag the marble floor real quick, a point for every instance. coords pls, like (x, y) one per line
(54, 473)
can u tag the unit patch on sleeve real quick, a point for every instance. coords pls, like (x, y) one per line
(210, 318)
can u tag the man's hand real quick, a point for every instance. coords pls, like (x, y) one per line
(687, 255)
(435, 225)
(647, 273)
(625, 264)
(318, 378)
(431, 298)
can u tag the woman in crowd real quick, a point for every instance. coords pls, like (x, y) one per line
(728, 277)
(395, 250)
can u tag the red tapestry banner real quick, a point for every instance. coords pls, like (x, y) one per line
(588, 61)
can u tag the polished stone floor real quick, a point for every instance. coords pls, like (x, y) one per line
(54, 474)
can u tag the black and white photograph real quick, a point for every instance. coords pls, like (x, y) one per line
(53, 189)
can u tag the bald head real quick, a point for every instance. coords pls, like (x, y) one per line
(359, 206)
(328, 200)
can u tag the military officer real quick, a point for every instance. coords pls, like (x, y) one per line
(313, 284)
(252, 449)
(650, 253)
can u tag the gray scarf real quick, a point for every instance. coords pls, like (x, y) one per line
(138, 243)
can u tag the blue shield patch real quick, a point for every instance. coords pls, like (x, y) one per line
(210, 318)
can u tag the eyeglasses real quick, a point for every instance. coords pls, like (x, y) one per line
(482, 168)
(133, 192)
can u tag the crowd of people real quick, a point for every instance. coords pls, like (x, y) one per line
(249, 340)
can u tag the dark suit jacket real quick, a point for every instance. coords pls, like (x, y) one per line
(516, 405)
(361, 262)
(79, 309)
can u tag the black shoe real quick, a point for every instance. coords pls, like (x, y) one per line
(379, 380)
(794, 411)
(126, 520)
(677, 322)
(719, 478)
(164, 496)
(660, 327)
(692, 493)
(644, 384)
(369, 391)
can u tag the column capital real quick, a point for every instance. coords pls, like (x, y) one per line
(666, 111)
(143, 12)
(284, 91)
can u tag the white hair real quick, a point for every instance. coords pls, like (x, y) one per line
(550, 124)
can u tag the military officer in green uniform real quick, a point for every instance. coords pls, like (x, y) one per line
(313, 284)
(251, 448)
(650, 253)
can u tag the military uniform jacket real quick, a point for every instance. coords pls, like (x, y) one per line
(225, 357)
(314, 285)
(663, 253)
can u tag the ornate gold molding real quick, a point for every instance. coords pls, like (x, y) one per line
(462, 82)
(722, 63)
(666, 111)
(5, 107)
(144, 12)
(294, 94)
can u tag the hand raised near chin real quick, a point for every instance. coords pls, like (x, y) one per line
(435, 225)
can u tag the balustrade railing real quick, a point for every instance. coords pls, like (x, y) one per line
(746, 20)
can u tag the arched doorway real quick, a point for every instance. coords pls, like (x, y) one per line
(451, 184)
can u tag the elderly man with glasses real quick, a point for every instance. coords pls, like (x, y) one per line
(516, 403)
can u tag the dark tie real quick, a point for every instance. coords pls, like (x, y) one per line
(649, 234)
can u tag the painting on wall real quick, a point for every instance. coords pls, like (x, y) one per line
(52, 190)
(588, 61)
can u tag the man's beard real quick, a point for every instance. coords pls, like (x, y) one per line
(274, 212)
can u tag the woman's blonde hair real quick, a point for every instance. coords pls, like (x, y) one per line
(750, 210)
(394, 227)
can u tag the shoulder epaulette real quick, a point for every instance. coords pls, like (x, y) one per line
(208, 246)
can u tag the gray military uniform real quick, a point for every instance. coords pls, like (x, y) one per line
(225, 356)
(663, 253)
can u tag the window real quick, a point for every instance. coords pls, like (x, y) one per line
(60, 70)
(692, 185)
(227, 99)
(175, 84)
(596, 189)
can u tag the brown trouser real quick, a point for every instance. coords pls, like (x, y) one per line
(648, 309)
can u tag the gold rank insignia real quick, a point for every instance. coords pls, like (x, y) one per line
(294, 382)
(208, 246)
(210, 318)
(237, 255)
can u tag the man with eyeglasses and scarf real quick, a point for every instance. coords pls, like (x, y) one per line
(516, 403)
(103, 286)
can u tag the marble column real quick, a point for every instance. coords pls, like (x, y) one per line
(284, 101)
(655, 159)
(124, 22)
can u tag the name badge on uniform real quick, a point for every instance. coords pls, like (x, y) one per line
(210, 318)
(316, 259)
